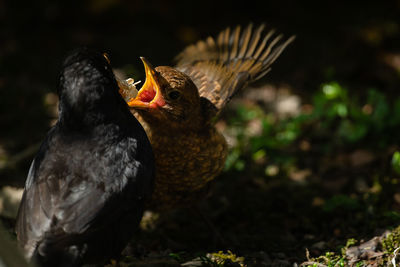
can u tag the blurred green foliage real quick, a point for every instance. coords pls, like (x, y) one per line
(336, 123)
(338, 118)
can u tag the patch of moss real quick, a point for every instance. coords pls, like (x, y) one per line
(221, 258)
(392, 241)
(331, 259)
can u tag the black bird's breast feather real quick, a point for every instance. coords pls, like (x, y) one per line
(78, 184)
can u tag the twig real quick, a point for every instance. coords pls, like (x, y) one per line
(394, 256)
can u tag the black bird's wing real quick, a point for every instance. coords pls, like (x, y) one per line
(221, 67)
(86, 187)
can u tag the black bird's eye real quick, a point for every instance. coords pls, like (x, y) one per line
(174, 95)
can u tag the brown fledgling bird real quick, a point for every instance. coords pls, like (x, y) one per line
(176, 106)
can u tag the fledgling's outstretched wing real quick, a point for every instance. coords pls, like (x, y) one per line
(222, 66)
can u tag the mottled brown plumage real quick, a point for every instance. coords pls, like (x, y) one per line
(176, 107)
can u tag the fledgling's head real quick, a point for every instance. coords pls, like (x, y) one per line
(168, 96)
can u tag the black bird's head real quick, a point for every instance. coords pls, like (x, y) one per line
(87, 88)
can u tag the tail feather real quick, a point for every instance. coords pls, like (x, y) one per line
(222, 66)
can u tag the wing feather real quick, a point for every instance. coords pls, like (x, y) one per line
(222, 66)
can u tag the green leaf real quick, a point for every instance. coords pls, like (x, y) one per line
(332, 90)
(259, 154)
(352, 132)
(396, 162)
(341, 109)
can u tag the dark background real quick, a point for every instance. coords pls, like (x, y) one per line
(355, 43)
(344, 39)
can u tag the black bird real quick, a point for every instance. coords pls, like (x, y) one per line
(86, 187)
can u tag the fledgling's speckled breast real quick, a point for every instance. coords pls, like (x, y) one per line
(186, 167)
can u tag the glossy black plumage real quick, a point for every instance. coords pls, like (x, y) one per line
(87, 185)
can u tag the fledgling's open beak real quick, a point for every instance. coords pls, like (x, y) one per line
(149, 96)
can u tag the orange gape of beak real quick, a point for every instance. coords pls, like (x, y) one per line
(149, 96)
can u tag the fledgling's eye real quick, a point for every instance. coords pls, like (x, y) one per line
(174, 95)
